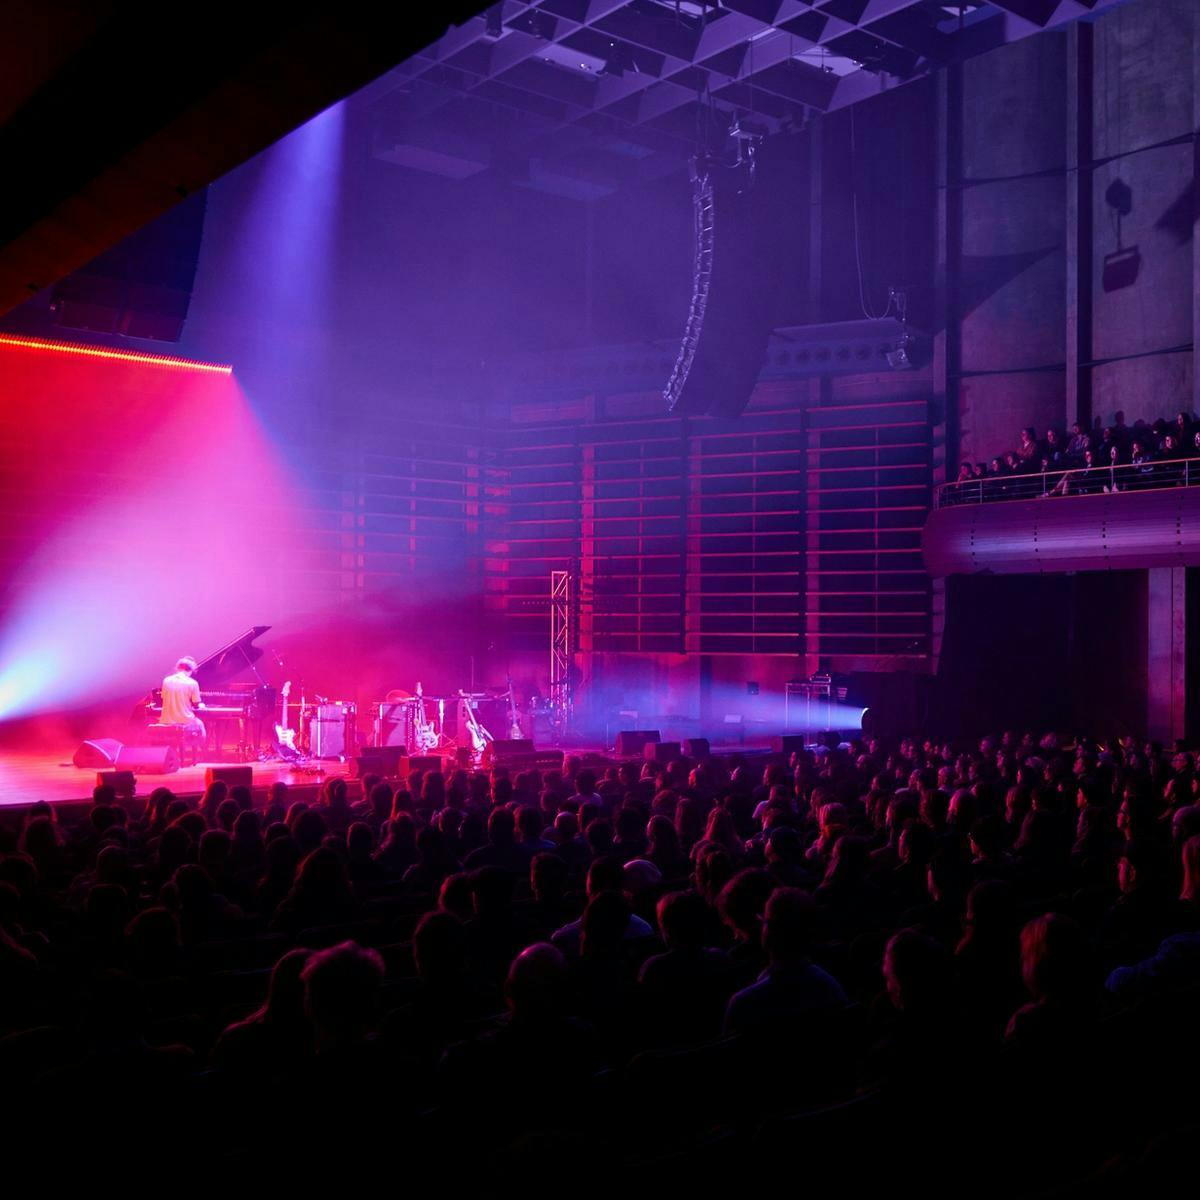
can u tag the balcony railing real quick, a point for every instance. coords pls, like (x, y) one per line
(1078, 481)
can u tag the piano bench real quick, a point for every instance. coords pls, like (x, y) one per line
(184, 738)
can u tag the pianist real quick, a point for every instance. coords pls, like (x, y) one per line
(181, 697)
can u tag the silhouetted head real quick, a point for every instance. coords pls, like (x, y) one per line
(439, 947)
(917, 971)
(682, 920)
(1054, 960)
(789, 925)
(341, 992)
(536, 988)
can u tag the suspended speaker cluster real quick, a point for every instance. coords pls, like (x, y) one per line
(704, 206)
(736, 278)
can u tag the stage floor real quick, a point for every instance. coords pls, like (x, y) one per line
(27, 778)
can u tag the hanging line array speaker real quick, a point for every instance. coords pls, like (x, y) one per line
(745, 228)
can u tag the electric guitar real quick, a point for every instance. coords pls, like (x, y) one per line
(285, 737)
(424, 733)
(514, 725)
(478, 734)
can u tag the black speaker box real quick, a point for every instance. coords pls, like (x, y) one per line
(504, 749)
(631, 741)
(122, 782)
(230, 776)
(380, 760)
(150, 760)
(787, 743)
(97, 752)
(425, 763)
(696, 748)
(662, 752)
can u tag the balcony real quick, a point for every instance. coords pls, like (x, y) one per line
(1098, 519)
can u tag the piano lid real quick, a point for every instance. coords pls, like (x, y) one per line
(223, 665)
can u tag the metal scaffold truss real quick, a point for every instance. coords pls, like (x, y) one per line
(562, 645)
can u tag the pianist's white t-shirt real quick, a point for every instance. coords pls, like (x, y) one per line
(180, 692)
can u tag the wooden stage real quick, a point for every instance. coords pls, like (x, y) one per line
(27, 778)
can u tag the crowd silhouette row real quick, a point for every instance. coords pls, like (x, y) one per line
(952, 956)
(1084, 459)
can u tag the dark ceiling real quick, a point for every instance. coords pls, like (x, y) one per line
(111, 112)
(581, 97)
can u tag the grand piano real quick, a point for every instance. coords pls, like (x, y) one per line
(236, 712)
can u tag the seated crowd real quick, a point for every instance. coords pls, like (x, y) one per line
(1062, 459)
(910, 962)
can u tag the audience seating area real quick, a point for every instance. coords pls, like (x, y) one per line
(916, 966)
(1106, 458)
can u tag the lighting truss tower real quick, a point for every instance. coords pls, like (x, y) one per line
(562, 643)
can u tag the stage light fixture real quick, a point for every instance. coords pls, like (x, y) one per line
(618, 60)
(899, 358)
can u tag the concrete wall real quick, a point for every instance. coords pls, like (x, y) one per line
(1011, 299)
(1126, 82)
(1142, 97)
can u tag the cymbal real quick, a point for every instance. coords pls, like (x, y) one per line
(398, 694)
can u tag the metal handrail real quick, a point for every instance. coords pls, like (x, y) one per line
(1071, 481)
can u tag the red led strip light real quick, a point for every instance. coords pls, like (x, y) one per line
(137, 356)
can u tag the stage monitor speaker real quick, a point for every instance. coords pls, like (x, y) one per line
(662, 752)
(122, 782)
(97, 752)
(754, 228)
(149, 760)
(506, 749)
(787, 743)
(696, 748)
(425, 763)
(630, 742)
(384, 761)
(230, 776)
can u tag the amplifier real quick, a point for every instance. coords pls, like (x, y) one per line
(331, 731)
